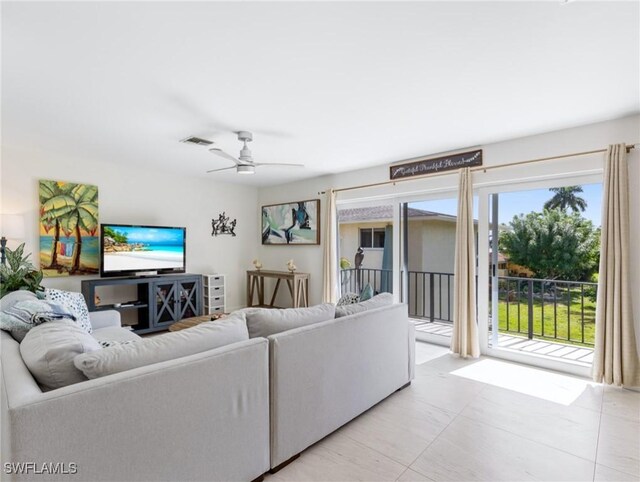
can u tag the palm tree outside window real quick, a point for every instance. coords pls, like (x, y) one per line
(566, 197)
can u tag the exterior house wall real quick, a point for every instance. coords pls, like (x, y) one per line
(431, 245)
(350, 241)
(438, 246)
(431, 250)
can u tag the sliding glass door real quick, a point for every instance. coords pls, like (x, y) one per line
(429, 231)
(543, 255)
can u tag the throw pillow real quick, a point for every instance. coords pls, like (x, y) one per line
(115, 333)
(366, 293)
(348, 299)
(168, 346)
(108, 343)
(265, 322)
(383, 299)
(75, 303)
(48, 351)
(22, 311)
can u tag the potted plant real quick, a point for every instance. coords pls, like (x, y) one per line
(19, 273)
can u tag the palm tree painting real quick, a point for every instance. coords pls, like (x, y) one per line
(68, 228)
(566, 197)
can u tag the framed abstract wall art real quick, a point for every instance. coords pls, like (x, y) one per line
(295, 223)
(68, 228)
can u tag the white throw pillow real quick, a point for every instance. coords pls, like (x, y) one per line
(75, 303)
(383, 299)
(48, 351)
(168, 346)
(264, 322)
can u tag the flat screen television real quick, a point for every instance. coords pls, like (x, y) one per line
(127, 250)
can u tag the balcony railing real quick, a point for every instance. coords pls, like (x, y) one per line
(353, 280)
(560, 310)
(542, 308)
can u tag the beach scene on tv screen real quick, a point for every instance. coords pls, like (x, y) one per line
(142, 248)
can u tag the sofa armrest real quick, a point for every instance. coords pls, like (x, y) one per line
(325, 374)
(200, 417)
(104, 319)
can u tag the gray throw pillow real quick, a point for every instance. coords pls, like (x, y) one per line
(383, 299)
(22, 310)
(264, 322)
(168, 346)
(48, 351)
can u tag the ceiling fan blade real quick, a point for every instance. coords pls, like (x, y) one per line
(277, 164)
(223, 169)
(221, 153)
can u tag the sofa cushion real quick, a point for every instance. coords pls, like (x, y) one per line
(74, 302)
(265, 322)
(48, 351)
(383, 299)
(168, 346)
(23, 310)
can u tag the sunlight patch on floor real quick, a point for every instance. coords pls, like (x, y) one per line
(554, 387)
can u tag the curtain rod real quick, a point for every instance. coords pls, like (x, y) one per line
(473, 169)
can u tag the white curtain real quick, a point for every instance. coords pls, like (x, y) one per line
(616, 356)
(464, 340)
(330, 268)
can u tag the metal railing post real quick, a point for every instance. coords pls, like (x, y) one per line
(431, 297)
(530, 306)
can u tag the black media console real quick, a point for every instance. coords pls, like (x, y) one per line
(156, 301)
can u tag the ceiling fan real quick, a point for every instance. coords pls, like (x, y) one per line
(245, 164)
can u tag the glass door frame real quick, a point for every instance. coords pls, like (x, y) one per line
(484, 263)
(553, 174)
(436, 194)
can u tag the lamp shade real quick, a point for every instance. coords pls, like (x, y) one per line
(12, 226)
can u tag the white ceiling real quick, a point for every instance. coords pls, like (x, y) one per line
(336, 86)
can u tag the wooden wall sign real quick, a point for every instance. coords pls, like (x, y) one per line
(422, 167)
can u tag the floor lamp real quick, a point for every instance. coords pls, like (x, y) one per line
(11, 227)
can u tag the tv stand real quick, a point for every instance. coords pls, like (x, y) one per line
(160, 302)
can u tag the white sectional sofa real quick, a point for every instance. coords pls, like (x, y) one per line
(323, 375)
(227, 414)
(200, 417)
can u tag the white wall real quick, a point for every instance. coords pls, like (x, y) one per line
(131, 195)
(578, 139)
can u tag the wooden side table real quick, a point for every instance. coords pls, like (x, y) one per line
(298, 284)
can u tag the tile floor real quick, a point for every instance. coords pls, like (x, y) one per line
(483, 419)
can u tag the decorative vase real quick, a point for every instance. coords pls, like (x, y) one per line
(290, 266)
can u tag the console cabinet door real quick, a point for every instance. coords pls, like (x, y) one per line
(189, 296)
(166, 306)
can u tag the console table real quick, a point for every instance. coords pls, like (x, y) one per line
(156, 302)
(298, 284)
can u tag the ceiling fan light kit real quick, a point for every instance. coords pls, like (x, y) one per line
(244, 164)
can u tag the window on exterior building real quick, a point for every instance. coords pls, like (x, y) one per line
(372, 237)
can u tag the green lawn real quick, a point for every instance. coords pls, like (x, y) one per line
(559, 331)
